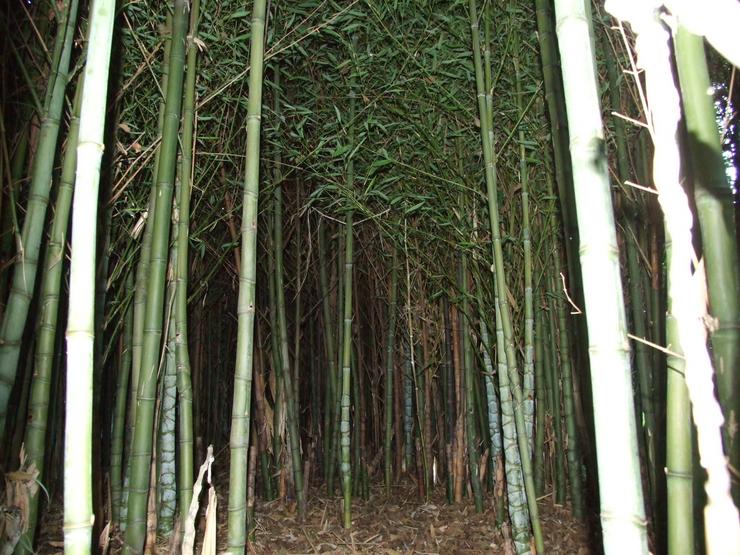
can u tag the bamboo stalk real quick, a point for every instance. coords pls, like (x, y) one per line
(240, 414)
(622, 508)
(78, 510)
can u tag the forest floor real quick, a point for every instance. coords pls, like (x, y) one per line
(401, 524)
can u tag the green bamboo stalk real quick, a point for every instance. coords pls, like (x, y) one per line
(642, 356)
(389, 365)
(51, 279)
(500, 284)
(469, 376)
(24, 271)
(292, 412)
(141, 447)
(78, 510)
(622, 508)
(566, 372)
(142, 277)
(448, 388)
(408, 409)
(528, 376)
(331, 359)
(240, 416)
(679, 453)
(541, 403)
(687, 296)
(335, 455)
(555, 402)
(559, 130)
(714, 206)
(345, 467)
(184, 382)
(119, 412)
(279, 404)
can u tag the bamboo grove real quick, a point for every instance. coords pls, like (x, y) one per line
(478, 246)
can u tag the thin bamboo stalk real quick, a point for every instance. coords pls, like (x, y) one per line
(240, 412)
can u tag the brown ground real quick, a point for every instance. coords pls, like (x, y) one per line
(399, 525)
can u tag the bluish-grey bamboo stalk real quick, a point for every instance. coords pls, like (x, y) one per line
(518, 509)
(166, 467)
(25, 268)
(78, 510)
(240, 412)
(492, 403)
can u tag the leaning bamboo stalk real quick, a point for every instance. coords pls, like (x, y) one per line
(24, 271)
(51, 281)
(687, 285)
